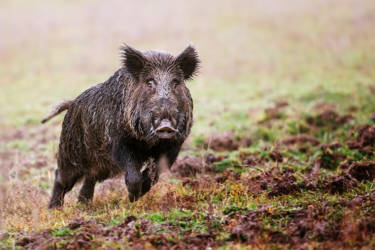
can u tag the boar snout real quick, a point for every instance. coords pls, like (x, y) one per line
(165, 130)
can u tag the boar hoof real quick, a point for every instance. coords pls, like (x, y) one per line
(133, 197)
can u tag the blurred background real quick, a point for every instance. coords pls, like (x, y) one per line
(254, 54)
(50, 51)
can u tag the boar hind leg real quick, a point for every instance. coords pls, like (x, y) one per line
(64, 182)
(87, 191)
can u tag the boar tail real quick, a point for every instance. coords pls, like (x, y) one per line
(58, 109)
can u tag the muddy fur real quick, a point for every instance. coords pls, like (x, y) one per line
(110, 128)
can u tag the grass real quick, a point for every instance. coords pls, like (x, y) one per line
(267, 194)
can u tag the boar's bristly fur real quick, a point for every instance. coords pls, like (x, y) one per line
(141, 114)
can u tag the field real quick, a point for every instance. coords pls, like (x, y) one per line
(281, 154)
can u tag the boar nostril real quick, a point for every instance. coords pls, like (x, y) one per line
(165, 130)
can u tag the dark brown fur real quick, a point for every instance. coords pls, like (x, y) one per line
(110, 128)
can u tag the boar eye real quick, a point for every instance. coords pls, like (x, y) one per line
(176, 81)
(150, 82)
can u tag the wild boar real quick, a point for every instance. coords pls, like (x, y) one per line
(143, 113)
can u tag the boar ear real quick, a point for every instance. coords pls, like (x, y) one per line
(133, 60)
(188, 61)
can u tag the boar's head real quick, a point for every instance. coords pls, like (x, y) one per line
(159, 105)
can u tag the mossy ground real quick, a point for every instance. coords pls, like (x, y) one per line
(293, 84)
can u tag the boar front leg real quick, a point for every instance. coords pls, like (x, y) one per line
(150, 175)
(130, 162)
(133, 181)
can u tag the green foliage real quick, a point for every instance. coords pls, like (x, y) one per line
(228, 164)
(61, 232)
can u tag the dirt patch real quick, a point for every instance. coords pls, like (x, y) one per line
(228, 175)
(340, 184)
(276, 156)
(365, 139)
(131, 228)
(225, 141)
(79, 222)
(210, 159)
(259, 183)
(281, 104)
(197, 241)
(36, 136)
(39, 240)
(188, 166)
(322, 222)
(359, 200)
(357, 172)
(275, 112)
(251, 161)
(330, 160)
(362, 171)
(287, 184)
(275, 183)
(139, 233)
(306, 225)
(247, 227)
(284, 184)
(300, 139)
(329, 119)
(13, 134)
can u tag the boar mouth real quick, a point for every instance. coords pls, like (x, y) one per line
(165, 130)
